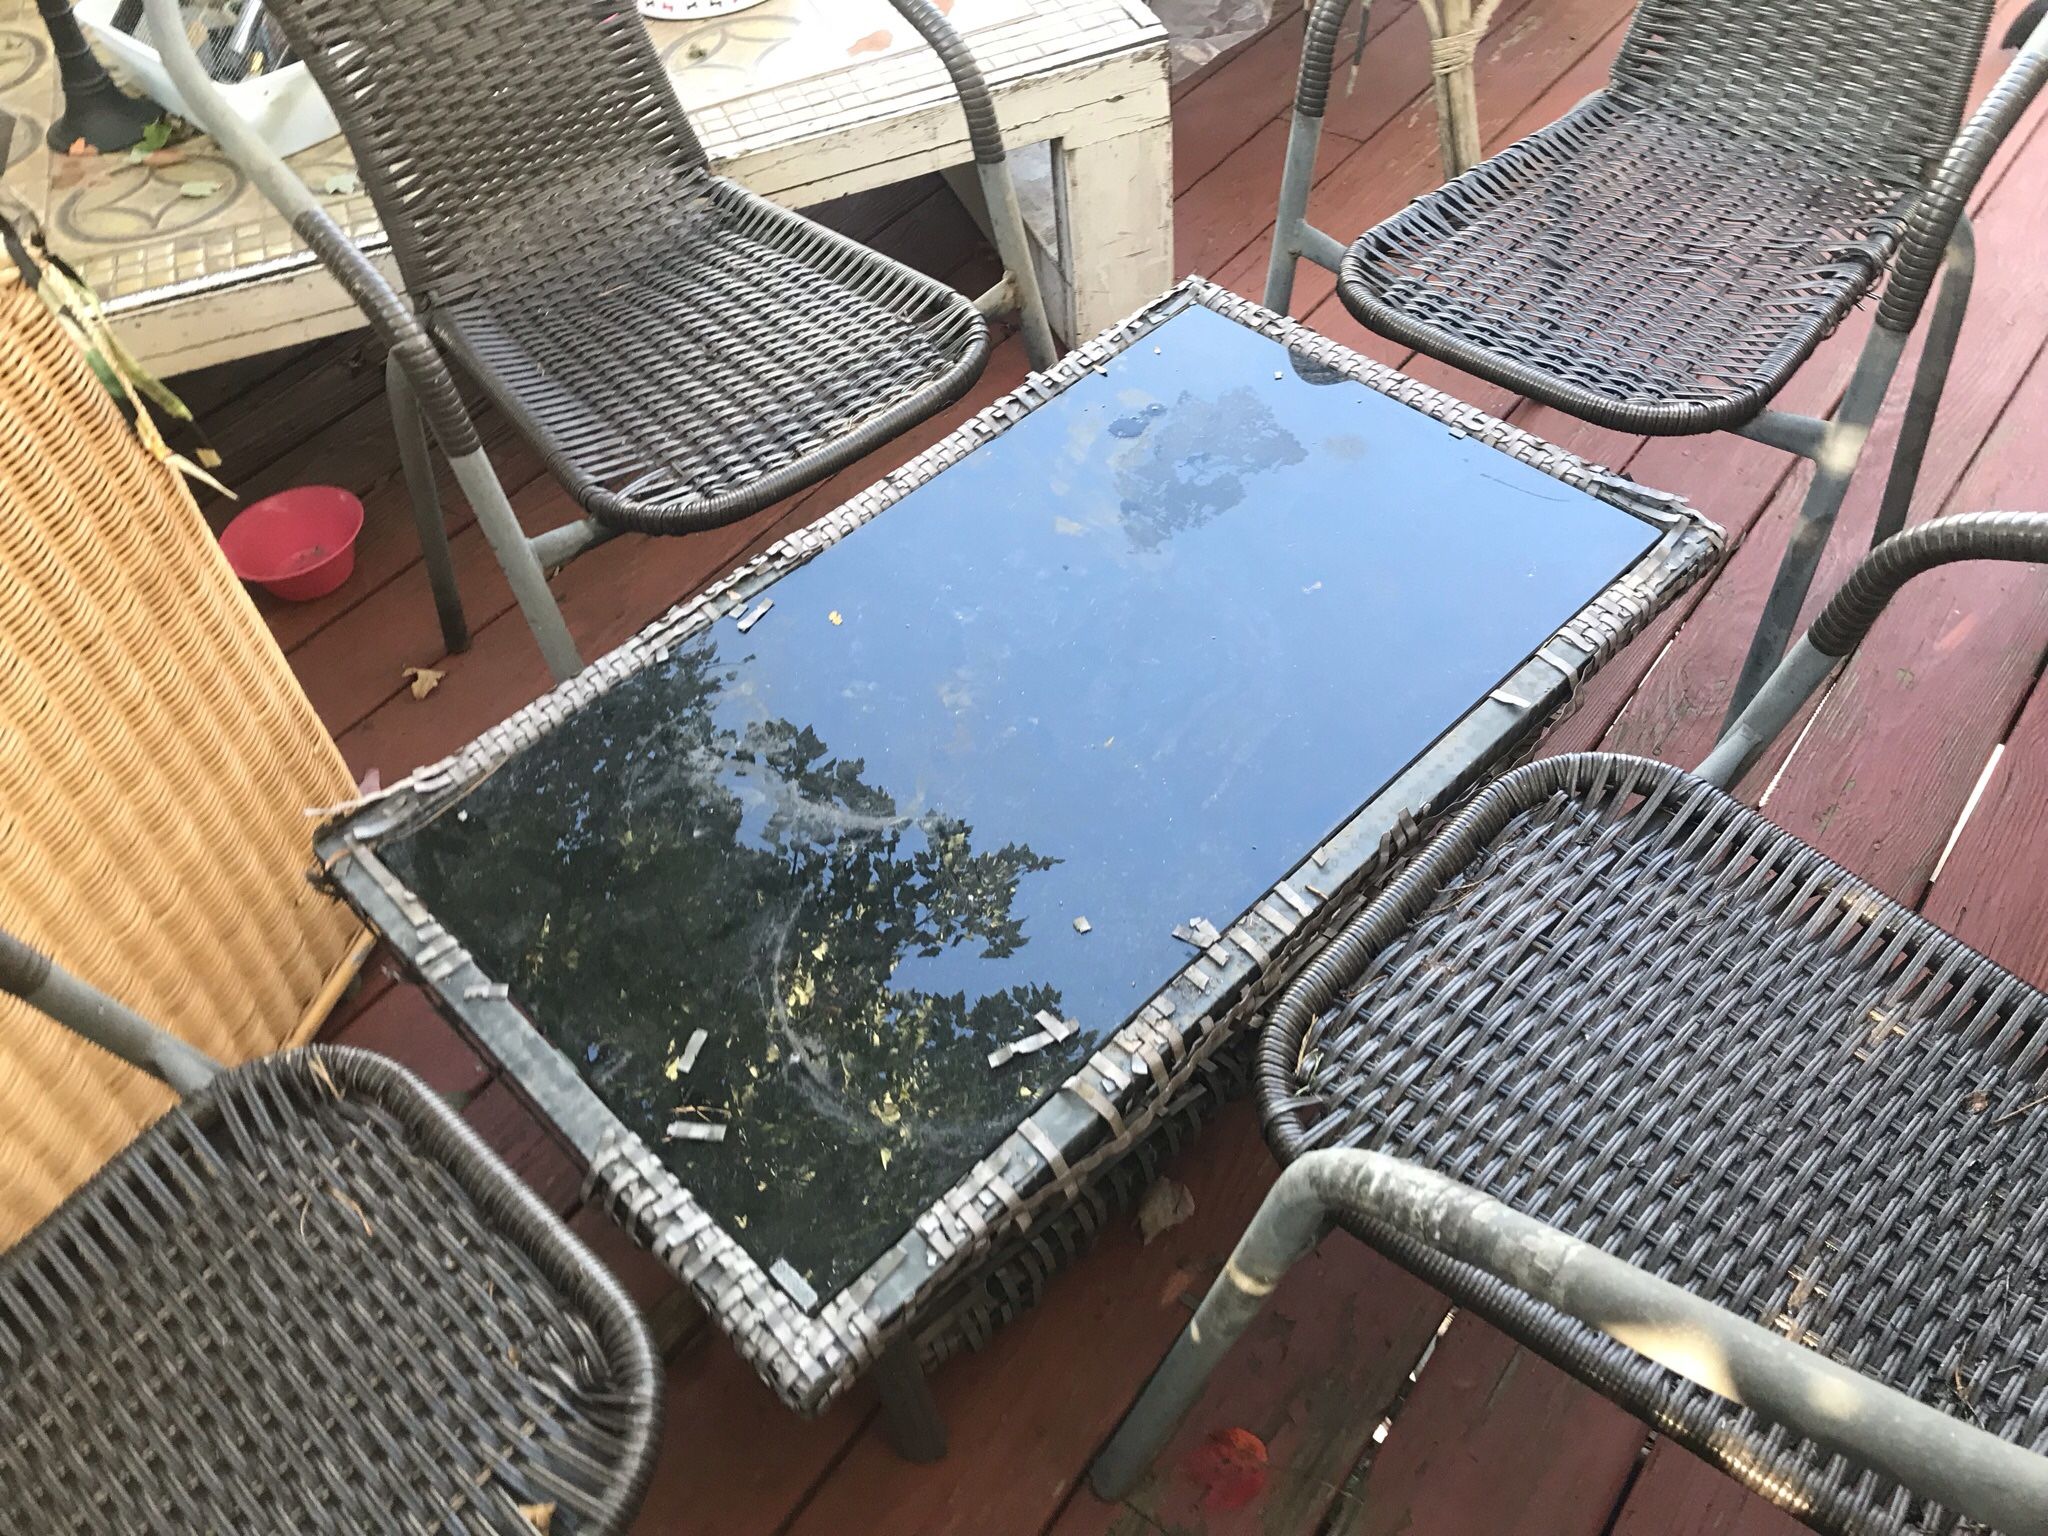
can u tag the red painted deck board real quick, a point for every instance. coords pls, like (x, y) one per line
(1490, 1440)
(1311, 1379)
(1494, 1439)
(1677, 1494)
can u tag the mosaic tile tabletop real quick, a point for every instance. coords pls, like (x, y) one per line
(774, 74)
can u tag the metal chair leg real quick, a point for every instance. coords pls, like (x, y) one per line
(910, 1414)
(522, 568)
(1959, 270)
(1295, 179)
(1835, 460)
(1957, 1465)
(1293, 236)
(417, 462)
(1013, 245)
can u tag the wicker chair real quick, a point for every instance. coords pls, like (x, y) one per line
(1666, 1095)
(680, 352)
(307, 1299)
(1663, 258)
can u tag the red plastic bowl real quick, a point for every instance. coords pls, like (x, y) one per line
(299, 544)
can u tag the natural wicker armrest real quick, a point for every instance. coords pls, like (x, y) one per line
(1935, 215)
(389, 315)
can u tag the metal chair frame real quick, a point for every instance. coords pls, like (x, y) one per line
(1937, 238)
(427, 406)
(1525, 1275)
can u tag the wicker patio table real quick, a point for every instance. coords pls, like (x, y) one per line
(870, 921)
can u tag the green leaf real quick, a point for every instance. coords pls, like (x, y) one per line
(158, 134)
(341, 184)
(198, 188)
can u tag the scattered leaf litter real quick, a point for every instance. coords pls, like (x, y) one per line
(424, 680)
(1166, 1205)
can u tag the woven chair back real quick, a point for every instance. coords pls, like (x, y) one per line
(493, 135)
(156, 761)
(1875, 87)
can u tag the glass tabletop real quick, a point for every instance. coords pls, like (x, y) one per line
(958, 778)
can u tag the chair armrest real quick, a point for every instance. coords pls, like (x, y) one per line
(1934, 216)
(1965, 1469)
(1849, 614)
(389, 315)
(984, 132)
(1319, 55)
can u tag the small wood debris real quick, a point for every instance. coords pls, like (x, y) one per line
(2020, 1109)
(1052, 1030)
(755, 614)
(695, 1130)
(355, 1208)
(1082, 925)
(1166, 1205)
(1054, 1025)
(540, 1516)
(784, 1274)
(424, 680)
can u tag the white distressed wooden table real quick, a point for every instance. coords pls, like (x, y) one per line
(200, 279)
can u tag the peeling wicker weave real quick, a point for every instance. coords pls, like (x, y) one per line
(156, 758)
(1665, 256)
(1634, 1009)
(307, 1300)
(681, 352)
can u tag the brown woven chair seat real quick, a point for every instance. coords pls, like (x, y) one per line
(721, 353)
(1634, 1009)
(1645, 270)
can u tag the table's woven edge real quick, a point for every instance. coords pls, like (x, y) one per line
(1101, 1111)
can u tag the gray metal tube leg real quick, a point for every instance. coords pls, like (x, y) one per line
(1834, 466)
(1959, 272)
(1287, 1227)
(1296, 177)
(910, 1414)
(1013, 245)
(418, 464)
(528, 581)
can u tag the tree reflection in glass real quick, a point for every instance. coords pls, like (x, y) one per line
(691, 868)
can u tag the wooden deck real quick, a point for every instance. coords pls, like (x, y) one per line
(1380, 1416)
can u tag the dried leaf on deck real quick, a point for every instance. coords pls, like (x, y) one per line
(540, 1516)
(424, 680)
(1229, 1467)
(1166, 1205)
